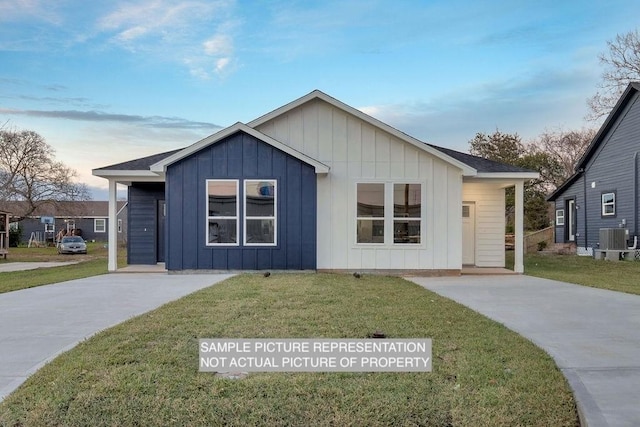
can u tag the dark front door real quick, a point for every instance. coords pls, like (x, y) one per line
(162, 213)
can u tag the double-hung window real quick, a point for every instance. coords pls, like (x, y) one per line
(608, 204)
(222, 212)
(389, 213)
(560, 217)
(407, 213)
(99, 225)
(260, 212)
(370, 213)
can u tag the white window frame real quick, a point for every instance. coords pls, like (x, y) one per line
(119, 225)
(612, 204)
(274, 217)
(208, 217)
(389, 217)
(372, 218)
(98, 229)
(559, 216)
(410, 219)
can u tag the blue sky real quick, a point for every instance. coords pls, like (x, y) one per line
(109, 81)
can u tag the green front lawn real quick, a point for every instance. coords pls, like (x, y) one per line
(622, 276)
(92, 264)
(145, 371)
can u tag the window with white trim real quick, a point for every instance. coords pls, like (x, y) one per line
(559, 216)
(222, 212)
(119, 226)
(608, 204)
(260, 212)
(407, 213)
(389, 213)
(99, 225)
(370, 213)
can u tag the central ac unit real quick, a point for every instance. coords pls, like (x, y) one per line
(613, 238)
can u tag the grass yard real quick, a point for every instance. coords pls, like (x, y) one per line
(92, 264)
(619, 276)
(144, 371)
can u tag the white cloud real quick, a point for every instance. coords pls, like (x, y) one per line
(220, 44)
(176, 31)
(41, 10)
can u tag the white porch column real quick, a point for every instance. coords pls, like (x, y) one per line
(518, 248)
(113, 226)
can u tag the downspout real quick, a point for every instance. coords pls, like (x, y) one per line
(584, 208)
(635, 193)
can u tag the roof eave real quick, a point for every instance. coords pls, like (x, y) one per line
(508, 175)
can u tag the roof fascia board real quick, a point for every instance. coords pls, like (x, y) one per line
(161, 166)
(507, 175)
(316, 94)
(610, 120)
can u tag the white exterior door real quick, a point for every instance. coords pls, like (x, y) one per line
(468, 234)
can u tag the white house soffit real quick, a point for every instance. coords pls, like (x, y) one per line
(114, 173)
(507, 175)
(317, 94)
(218, 136)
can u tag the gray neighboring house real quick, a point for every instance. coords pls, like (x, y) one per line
(604, 192)
(91, 217)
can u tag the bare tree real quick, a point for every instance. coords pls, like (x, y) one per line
(30, 173)
(566, 148)
(622, 66)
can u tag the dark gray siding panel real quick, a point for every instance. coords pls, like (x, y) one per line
(576, 192)
(240, 157)
(143, 225)
(612, 167)
(86, 225)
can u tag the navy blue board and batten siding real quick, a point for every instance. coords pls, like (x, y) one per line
(239, 157)
(612, 165)
(142, 246)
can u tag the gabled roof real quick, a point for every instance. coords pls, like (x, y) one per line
(612, 118)
(152, 168)
(483, 165)
(317, 94)
(161, 165)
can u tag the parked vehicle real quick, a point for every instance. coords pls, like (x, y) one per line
(72, 245)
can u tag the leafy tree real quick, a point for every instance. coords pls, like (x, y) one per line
(509, 148)
(30, 173)
(622, 66)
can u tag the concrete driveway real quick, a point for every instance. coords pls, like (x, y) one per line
(593, 335)
(39, 323)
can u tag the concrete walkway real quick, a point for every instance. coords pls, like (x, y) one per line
(593, 335)
(21, 266)
(39, 323)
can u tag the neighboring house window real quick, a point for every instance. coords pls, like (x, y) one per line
(260, 212)
(407, 213)
(119, 226)
(608, 204)
(99, 225)
(404, 215)
(222, 212)
(559, 216)
(370, 213)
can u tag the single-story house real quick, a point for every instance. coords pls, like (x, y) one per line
(316, 185)
(90, 217)
(603, 192)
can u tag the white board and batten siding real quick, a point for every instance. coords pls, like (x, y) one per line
(489, 201)
(357, 151)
